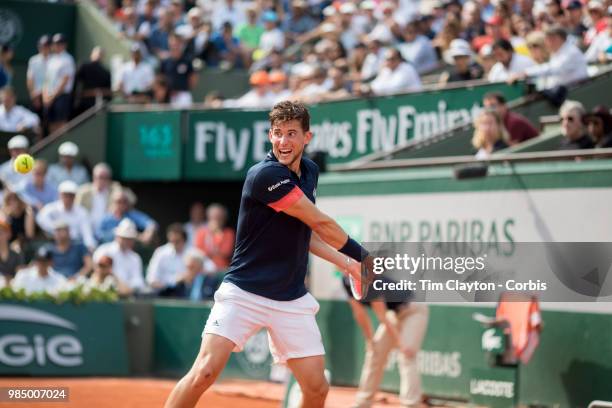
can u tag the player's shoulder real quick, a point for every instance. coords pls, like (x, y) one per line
(311, 165)
(267, 169)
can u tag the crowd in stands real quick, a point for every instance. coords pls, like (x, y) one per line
(322, 50)
(59, 229)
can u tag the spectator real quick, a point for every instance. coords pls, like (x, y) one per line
(338, 89)
(179, 72)
(214, 239)
(473, 25)
(16, 118)
(316, 87)
(272, 38)
(574, 133)
(38, 191)
(299, 21)
(197, 219)
(59, 82)
(21, 218)
(374, 60)
(574, 16)
(127, 264)
(417, 49)
(92, 82)
(567, 64)
(95, 197)
(16, 145)
(195, 33)
(158, 40)
(147, 18)
(161, 90)
(10, 260)
(464, 67)
(228, 12)
(278, 86)
(396, 76)
(36, 73)
(494, 30)
(168, 260)
(597, 15)
(136, 77)
(508, 62)
(519, 128)
(490, 135)
(129, 24)
(104, 279)
(387, 27)
(228, 48)
(600, 50)
(122, 202)
(258, 97)
(70, 259)
(486, 59)
(7, 53)
(599, 123)
(40, 277)
(536, 44)
(195, 281)
(67, 168)
(249, 33)
(65, 209)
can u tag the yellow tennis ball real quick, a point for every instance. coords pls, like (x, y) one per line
(23, 163)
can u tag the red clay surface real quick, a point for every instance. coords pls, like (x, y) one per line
(149, 393)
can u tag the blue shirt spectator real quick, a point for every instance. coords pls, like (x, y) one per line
(105, 232)
(37, 191)
(69, 258)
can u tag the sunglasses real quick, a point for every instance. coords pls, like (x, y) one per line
(570, 119)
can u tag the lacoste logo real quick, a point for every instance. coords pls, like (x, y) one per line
(277, 185)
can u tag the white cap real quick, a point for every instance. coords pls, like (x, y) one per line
(61, 223)
(348, 8)
(329, 11)
(18, 142)
(367, 5)
(68, 149)
(68, 187)
(458, 47)
(595, 4)
(126, 229)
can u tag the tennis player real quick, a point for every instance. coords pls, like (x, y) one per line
(278, 225)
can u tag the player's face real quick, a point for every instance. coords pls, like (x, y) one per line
(288, 142)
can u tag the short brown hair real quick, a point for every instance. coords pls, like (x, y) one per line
(177, 228)
(290, 110)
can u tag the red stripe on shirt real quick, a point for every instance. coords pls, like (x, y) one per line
(288, 200)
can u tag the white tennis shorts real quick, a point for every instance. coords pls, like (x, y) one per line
(292, 327)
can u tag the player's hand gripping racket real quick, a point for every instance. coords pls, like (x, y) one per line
(359, 287)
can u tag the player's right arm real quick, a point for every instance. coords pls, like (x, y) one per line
(274, 187)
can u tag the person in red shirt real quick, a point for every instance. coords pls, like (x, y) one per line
(518, 126)
(214, 239)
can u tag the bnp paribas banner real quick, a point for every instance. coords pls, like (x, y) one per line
(46, 339)
(223, 144)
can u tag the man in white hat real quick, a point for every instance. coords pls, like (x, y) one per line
(16, 145)
(127, 265)
(67, 168)
(74, 215)
(461, 57)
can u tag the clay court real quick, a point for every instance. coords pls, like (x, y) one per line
(147, 393)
